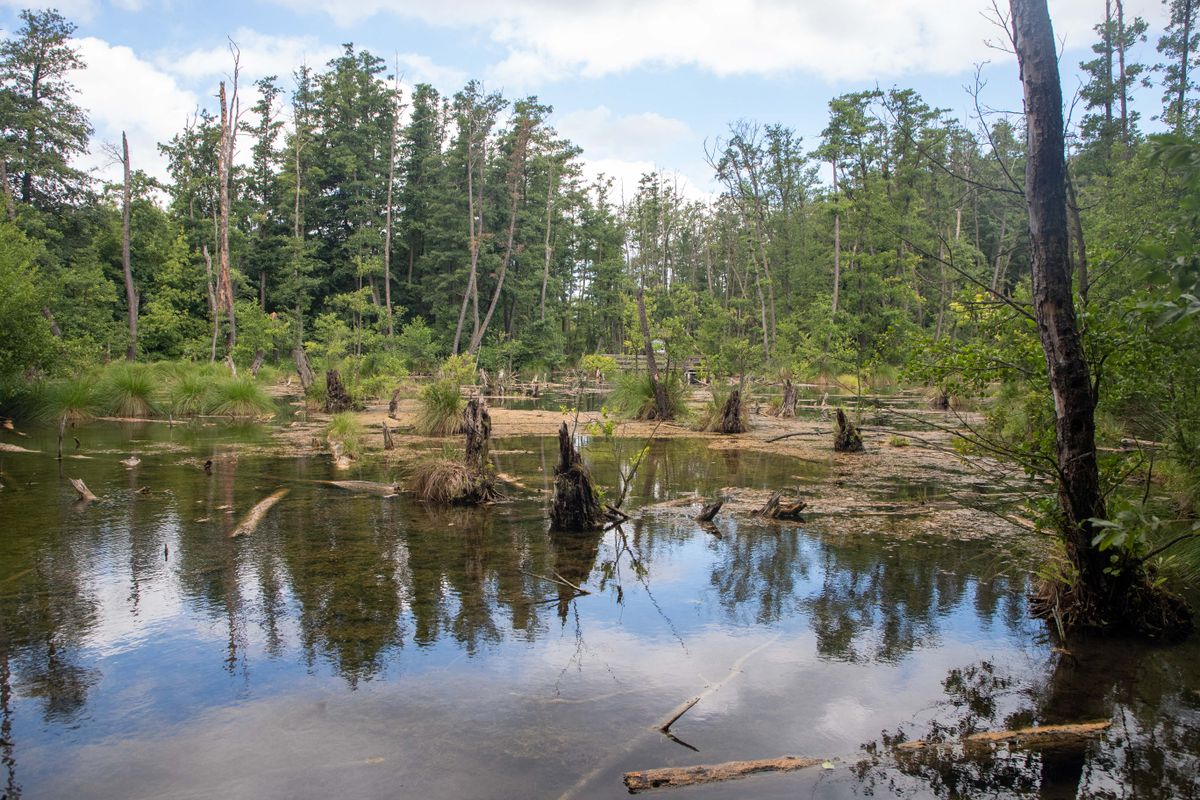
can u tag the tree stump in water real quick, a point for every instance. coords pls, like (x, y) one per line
(302, 367)
(710, 511)
(847, 439)
(775, 508)
(576, 505)
(732, 420)
(787, 406)
(337, 399)
(477, 425)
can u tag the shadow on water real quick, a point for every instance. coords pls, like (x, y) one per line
(451, 651)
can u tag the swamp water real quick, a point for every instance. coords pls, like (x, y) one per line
(356, 646)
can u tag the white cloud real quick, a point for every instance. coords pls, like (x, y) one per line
(602, 133)
(626, 174)
(260, 55)
(845, 40)
(122, 92)
(417, 68)
(74, 10)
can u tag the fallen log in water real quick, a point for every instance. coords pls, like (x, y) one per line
(643, 780)
(256, 514)
(1043, 736)
(85, 494)
(5, 447)
(709, 511)
(366, 487)
(775, 508)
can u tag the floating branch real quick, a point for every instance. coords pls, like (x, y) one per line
(643, 780)
(1043, 736)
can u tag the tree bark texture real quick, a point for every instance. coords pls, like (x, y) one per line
(576, 506)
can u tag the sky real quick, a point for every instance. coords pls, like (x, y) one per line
(640, 85)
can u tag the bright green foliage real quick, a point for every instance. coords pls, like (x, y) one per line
(416, 346)
(27, 342)
(240, 397)
(346, 430)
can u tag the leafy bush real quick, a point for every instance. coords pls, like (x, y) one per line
(416, 346)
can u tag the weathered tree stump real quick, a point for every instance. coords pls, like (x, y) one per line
(337, 399)
(787, 406)
(847, 439)
(477, 425)
(775, 508)
(394, 404)
(305, 371)
(257, 363)
(732, 419)
(709, 511)
(388, 444)
(576, 506)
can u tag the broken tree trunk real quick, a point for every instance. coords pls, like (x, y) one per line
(306, 374)
(477, 425)
(388, 444)
(732, 420)
(337, 399)
(394, 404)
(787, 406)
(256, 514)
(257, 363)
(709, 511)
(662, 408)
(775, 508)
(847, 439)
(576, 506)
(85, 494)
(643, 780)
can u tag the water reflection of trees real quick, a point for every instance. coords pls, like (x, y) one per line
(1152, 749)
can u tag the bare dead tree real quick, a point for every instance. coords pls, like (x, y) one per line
(230, 114)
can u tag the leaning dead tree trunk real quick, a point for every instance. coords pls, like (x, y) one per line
(131, 296)
(709, 512)
(787, 406)
(307, 379)
(661, 406)
(229, 115)
(337, 399)
(576, 506)
(1097, 597)
(847, 439)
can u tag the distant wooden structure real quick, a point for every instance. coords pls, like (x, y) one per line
(690, 366)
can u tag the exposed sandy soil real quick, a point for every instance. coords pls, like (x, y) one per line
(907, 483)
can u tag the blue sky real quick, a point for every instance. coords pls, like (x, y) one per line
(639, 84)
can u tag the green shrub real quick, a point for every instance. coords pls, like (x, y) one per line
(74, 398)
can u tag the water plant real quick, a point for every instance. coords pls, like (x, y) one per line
(129, 390)
(439, 408)
(633, 395)
(346, 430)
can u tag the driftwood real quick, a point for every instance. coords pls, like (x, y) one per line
(5, 447)
(256, 514)
(710, 511)
(576, 506)
(337, 399)
(1041, 737)
(847, 439)
(366, 487)
(305, 371)
(787, 406)
(388, 444)
(732, 419)
(643, 780)
(775, 508)
(85, 494)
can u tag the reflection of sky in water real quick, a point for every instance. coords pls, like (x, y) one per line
(366, 647)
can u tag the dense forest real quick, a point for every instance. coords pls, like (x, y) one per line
(382, 230)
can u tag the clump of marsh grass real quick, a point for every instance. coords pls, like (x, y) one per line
(73, 398)
(439, 408)
(633, 396)
(240, 397)
(346, 430)
(189, 394)
(448, 482)
(129, 390)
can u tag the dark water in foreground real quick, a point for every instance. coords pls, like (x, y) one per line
(356, 646)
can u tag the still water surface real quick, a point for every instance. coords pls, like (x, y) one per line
(361, 646)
